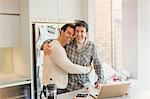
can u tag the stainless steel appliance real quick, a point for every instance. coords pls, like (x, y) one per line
(41, 33)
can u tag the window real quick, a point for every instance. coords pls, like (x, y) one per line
(108, 30)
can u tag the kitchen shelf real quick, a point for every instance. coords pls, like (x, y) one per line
(11, 79)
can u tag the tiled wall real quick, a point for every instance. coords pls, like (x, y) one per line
(103, 28)
(108, 30)
(6, 60)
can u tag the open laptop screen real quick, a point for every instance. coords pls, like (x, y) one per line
(113, 90)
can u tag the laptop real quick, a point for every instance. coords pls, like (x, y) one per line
(113, 90)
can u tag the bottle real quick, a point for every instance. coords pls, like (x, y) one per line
(87, 84)
(52, 88)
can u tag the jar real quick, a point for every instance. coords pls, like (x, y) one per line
(52, 91)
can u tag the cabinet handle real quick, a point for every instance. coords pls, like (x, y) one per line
(9, 14)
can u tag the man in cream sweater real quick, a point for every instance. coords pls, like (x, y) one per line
(57, 65)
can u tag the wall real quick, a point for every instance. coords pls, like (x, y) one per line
(87, 13)
(136, 37)
(129, 36)
(144, 43)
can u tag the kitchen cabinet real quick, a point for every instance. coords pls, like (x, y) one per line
(9, 31)
(55, 9)
(9, 23)
(9, 6)
(15, 52)
(13, 93)
(69, 9)
(43, 9)
(13, 72)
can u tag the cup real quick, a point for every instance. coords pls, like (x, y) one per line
(52, 91)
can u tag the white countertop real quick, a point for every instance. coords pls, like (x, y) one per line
(12, 79)
(133, 93)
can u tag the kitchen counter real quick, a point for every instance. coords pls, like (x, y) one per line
(134, 92)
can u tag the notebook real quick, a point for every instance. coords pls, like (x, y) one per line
(113, 90)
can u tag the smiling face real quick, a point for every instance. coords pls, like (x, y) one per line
(80, 34)
(67, 35)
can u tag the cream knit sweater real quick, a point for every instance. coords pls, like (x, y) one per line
(57, 66)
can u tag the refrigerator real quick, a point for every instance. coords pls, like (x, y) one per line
(41, 33)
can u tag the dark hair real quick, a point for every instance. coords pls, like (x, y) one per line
(67, 25)
(82, 24)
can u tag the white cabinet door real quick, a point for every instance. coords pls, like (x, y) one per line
(69, 9)
(43, 9)
(9, 31)
(9, 6)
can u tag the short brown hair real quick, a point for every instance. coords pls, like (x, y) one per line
(67, 25)
(82, 24)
